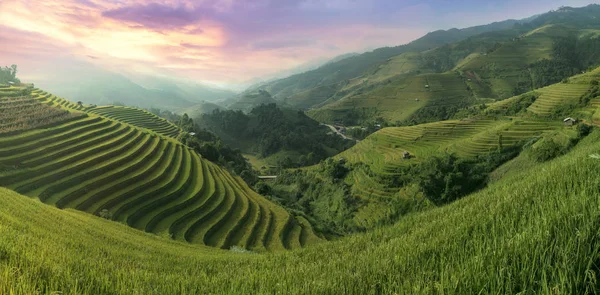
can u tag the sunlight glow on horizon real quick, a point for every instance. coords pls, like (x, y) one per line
(218, 41)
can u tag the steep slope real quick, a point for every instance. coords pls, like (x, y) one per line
(352, 67)
(138, 176)
(380, 157)
(494, 65)
(534, 233)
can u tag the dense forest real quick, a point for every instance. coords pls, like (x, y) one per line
(267, 130)
(570, 56)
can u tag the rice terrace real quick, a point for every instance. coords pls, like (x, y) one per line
(173, 148)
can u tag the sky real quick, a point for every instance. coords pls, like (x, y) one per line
(229, 42)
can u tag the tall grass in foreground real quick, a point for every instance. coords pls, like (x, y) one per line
(534, 232)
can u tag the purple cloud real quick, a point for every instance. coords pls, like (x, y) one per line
(279, 44)
(192, 46)
(155, 16)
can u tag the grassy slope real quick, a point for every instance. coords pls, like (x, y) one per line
(142, 176)
(491, 65)
(382, 152)
(335, 74)
(533, 232)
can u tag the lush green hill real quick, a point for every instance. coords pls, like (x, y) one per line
(492, 64)
(138, 176)
(352, 67)
(248, 101)
(200, 109)
(535, 232)
(380, 174)
(280, 137)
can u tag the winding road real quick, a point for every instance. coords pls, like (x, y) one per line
(338, 132)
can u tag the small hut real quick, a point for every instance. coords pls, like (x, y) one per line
(406, 155)
(570, 121)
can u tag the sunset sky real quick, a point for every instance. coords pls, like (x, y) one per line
(229, 42)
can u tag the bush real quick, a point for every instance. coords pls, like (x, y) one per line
(583, 130)
(547, 150)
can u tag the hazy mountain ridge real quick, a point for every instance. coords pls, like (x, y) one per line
(354, 66)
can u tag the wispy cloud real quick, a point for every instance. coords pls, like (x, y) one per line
(226, 41)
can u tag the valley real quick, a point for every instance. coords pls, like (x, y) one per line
(463, 162)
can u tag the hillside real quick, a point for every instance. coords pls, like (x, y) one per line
(278, 136)
(348, 68)
(248, 101)
(492, 64)
(200, 109)
(378, 161)
(124, 165)
(529, 233)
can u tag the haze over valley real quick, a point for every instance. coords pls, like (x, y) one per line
(299, 147)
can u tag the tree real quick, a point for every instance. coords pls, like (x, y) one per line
(13, 71)
(249, 177)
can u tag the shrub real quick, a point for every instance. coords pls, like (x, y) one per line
(583, 130)
(547, 150)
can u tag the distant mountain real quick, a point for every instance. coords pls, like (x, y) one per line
(250, 100)
(308, 66)
(351, 67)
(83, 81)
(200, 109)
(496, 62)
(192, 91)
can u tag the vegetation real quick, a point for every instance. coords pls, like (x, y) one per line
(267, 130)
(24, 113)
(533, 232)
(9, 74)
(139, 118)
(209, 145)
(142, 178)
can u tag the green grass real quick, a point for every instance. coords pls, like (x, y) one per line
(398, 98)
(140, 176)
(532, 232)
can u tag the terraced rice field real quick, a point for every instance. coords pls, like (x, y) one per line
(383, 151)
(401, 97)
(24, 113)
(146, 180)
(139, 118)
(555, 95)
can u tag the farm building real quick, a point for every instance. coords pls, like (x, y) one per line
(406, 155)
(570, 121)
(11, 83)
